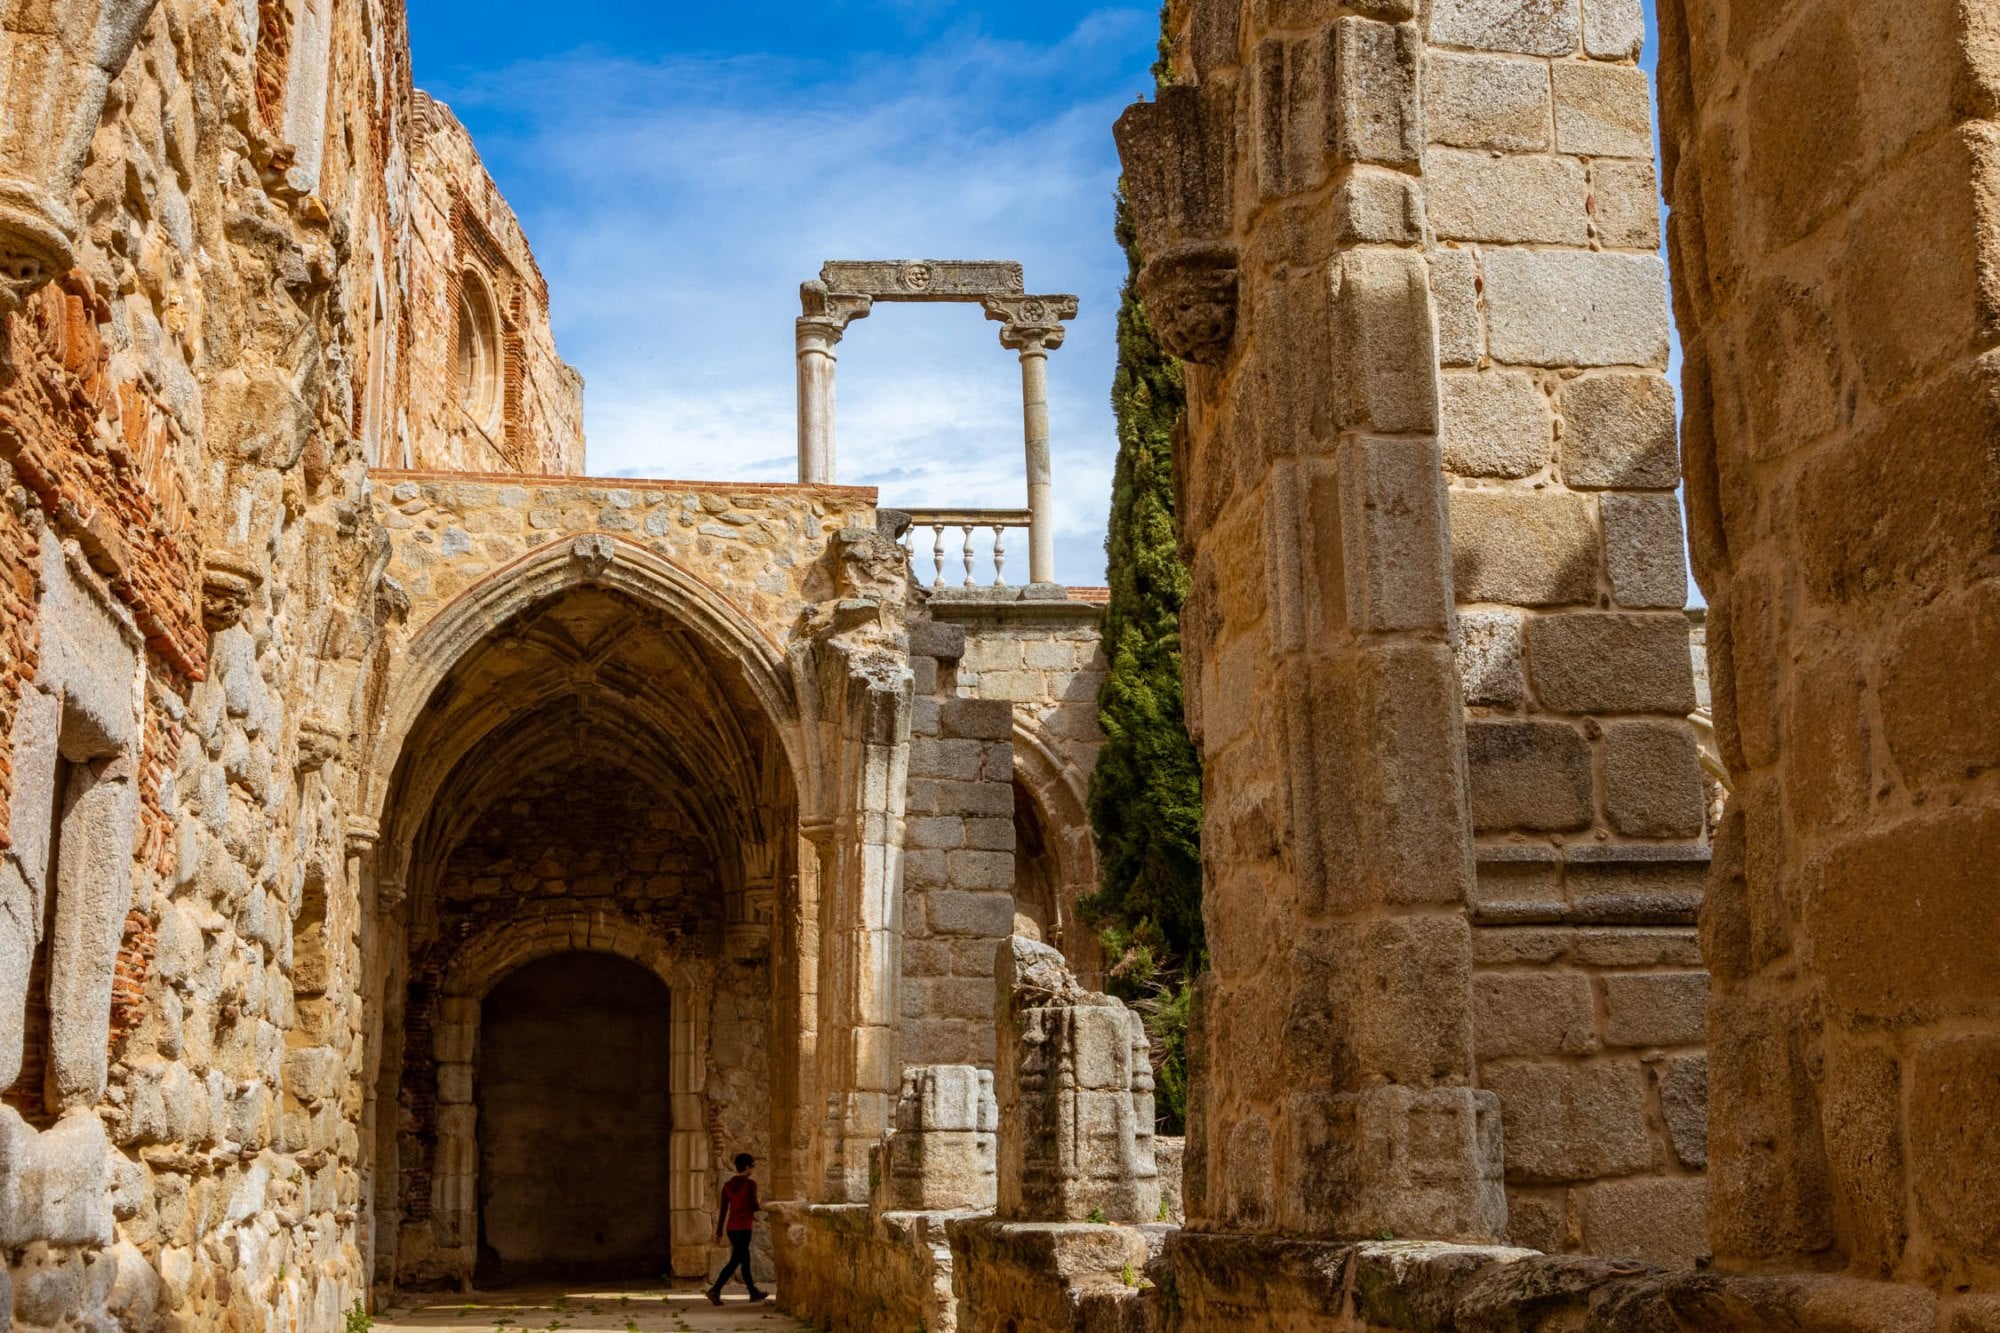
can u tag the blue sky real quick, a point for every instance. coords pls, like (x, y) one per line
(681, 167)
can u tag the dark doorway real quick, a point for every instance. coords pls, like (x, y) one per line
(573, 1122)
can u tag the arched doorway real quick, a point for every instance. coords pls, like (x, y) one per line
(574, 1121)
(593, 773)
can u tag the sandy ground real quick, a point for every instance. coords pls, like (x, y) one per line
(632, 1309)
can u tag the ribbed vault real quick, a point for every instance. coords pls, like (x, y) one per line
(587, 680)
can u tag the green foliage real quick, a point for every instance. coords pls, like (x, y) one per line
(359, 1320)
(1145, 794)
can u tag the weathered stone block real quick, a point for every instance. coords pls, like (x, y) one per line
(1454, 277)
(981, 870)
(1652, 780)
(1075, 1090)
(1488, 102)
(1481, 196)
(1528, 775)
(1684, 1103)
(1376, 206)
(953, 912)
(1407, 1160)
(1655, 1008)
(1489, 658)
(1619, 431)
(1575, 308)
(1539, 27)
(1527, 1013)
(1383, 353)
(1661, 1220)
(1376, 108)
(1602, 110)
(1392, 525)
(977, 719)
(941, 1152)
(1625, 203)
(1523, 548)
(1613, 29)
(1940, 699)
(1571, 1121)
(1494, 424)
(1611, 662)
(934, 831)
(1642, 550)
(930, 638)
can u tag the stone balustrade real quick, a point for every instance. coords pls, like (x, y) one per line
(974, 554)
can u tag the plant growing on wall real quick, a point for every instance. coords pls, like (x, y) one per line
(1145, 794)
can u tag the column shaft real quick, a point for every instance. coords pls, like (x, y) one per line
(816, 365)
(1041, 497)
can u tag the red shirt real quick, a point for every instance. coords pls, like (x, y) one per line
(739, 1198)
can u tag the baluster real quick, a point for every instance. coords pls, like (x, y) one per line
(999, 555)
(937, 556)
(969, 529)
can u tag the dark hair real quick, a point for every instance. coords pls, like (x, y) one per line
(744, 1161)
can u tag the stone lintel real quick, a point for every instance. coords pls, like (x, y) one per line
(923, 279)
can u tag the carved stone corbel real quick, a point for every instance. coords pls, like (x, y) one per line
(227, 585)
(57, 61)
(1176, 153)
(1190, 297)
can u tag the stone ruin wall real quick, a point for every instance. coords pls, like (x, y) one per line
(467, 251)
(1556, 429)
(186, 411)
(1003, 735)
(1411, 262)
(1832, 174)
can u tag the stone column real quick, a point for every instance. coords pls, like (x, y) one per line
(1032, 326)
(1339, 1101)
(1035, 419)
(1834, 241)
(818, 331)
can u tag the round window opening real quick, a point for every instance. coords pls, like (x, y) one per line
(478, 350)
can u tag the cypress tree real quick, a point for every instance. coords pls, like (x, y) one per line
(1145, 793)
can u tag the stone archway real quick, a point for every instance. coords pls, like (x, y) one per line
(603, 763)
(1056, 856)
(571, 1101)
(501, 952)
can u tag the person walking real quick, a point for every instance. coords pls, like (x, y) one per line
(737, 1216)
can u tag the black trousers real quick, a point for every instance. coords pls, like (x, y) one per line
(739, 1259)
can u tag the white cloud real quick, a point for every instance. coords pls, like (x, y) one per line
(676, 206)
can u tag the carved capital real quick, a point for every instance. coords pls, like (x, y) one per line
(1190, 297)
(1030, 322)
(828, 313)
(1176, 152)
